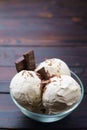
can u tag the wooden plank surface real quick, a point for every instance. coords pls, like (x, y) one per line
(52, 28)
(73, 56)
(52, 22)
(14, 118)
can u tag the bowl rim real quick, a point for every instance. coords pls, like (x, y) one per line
(60, 113)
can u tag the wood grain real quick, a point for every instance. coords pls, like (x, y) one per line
(52, 22)
(73, 56)
(13, 117)
(52, 28)
(4, 85)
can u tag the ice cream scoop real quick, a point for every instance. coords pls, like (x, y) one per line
(26, 89)
(61, 93)
(54, 66)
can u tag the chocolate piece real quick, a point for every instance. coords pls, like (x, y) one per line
(30, 60)
(20, 64)
(43, 74)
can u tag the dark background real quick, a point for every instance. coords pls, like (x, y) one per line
(52, 28)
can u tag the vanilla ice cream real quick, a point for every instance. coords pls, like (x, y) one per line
(61, 93)
(26, 89)
(54, 66)
(56, 93)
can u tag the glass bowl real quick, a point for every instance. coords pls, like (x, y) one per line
(51, 117)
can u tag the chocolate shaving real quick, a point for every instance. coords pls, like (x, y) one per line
(45, 81)
(20, 64)
(43, 74)
(30, 60)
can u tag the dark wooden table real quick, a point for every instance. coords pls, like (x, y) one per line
(52, 28)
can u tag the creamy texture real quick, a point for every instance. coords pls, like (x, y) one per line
(60, 93)
(54, 66)
(54, 95)
(26, 88)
